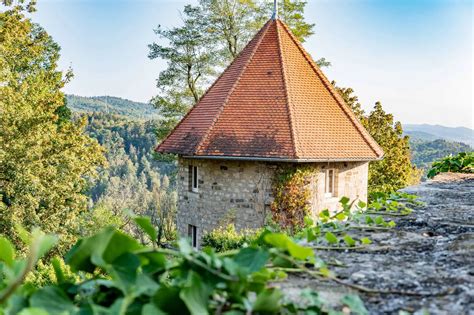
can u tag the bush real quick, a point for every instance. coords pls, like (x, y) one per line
(227, 238)
(461, 163)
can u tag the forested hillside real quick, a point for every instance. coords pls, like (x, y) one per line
(423, 153)
(111, 105)
(433, 132)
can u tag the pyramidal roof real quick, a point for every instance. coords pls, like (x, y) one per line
(272, 102)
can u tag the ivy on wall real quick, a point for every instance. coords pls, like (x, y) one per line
(291, 190)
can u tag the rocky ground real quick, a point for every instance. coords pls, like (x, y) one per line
(427, 260)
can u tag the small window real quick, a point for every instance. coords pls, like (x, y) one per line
(192, 234)
(329, 183)
(193, 178)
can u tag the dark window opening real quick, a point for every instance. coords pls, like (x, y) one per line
(192, 234)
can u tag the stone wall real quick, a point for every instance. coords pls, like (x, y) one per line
(240, 192)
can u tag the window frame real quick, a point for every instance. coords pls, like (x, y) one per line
(193, 174)
(330, 183)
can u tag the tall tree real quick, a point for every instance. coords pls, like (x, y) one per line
(45, 158)
(395, 171)
(190, 64)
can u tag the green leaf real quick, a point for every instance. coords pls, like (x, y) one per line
(391, 224)
(331, 238)
(145, 224)
(310, 235)
(344, 200)
(53, 300)
(151, 308)
(58, 271)
(299, 252)
(268, 301)
(124, 270)
(355, 304)
(349, 240)
(278, 240)
(341, 216)
(361, 204)
(369, 220)
(324, 214)
(325, 271)
(379, 220)
(251, 259)
(308, 221)
(152, 262)
(33, 311)
(365, 241)
(100, 250)
(7, 251)
(164, 295)
(196, 295)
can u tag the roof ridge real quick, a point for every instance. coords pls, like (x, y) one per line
(288, 103)
(263, 31)
(364, 133)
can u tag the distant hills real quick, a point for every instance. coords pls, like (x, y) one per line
(111, 105)
(432, 132)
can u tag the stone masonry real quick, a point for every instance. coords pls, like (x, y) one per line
(241, 191)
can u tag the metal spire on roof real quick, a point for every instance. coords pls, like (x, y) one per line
(275, 10)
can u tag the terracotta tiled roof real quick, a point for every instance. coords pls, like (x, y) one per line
(272, 102)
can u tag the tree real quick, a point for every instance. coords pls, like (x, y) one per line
(190, 60)
(212, 35)
(45, 158)
(395, 171)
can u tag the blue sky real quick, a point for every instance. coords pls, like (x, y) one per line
(415, 56)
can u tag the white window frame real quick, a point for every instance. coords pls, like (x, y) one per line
(330, 186)
(193, 235)
(194, 178)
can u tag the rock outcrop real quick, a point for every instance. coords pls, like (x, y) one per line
(427, 260)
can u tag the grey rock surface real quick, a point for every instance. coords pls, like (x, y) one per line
(428, 257)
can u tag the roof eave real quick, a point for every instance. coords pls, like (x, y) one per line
(280, 159)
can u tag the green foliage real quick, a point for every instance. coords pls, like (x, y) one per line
(395, 170)
(291, 193)
(227, 238)
(396, 202)
(461, 163)
(117, 275)
(333, 230)
(134, 182)
(45, 158)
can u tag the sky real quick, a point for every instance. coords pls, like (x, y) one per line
(414, 56)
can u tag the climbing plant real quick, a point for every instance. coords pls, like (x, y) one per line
(291, 192)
